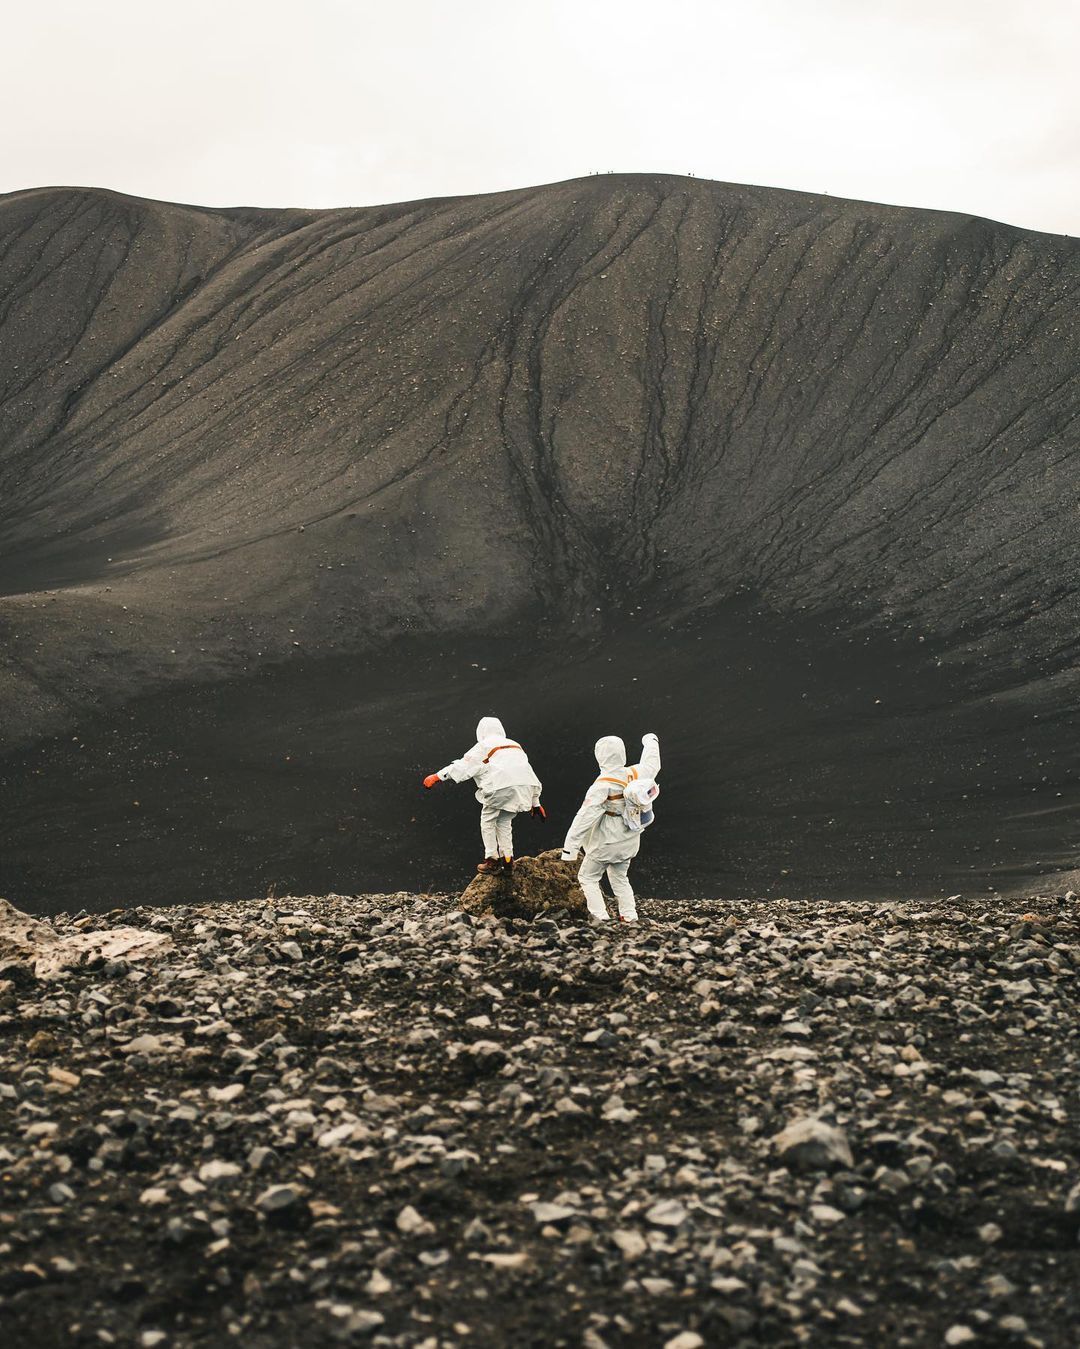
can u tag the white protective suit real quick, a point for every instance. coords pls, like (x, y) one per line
(599, 828)
(505, 784)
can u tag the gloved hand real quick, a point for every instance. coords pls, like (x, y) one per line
(568, 856)
(649, 735)
(432, 779)
(538, 812)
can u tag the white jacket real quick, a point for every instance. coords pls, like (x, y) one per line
(598, 826)
(494, 762)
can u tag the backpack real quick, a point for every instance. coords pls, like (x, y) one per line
(635, 801)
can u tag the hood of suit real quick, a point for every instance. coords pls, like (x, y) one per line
(488, 726)
(610, 753)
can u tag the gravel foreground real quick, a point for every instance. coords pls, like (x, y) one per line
(374, 1120)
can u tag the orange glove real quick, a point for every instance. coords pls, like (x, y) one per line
(538, 812)
(432, 779)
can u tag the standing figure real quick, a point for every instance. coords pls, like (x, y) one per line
(617, 807)
(505, 786)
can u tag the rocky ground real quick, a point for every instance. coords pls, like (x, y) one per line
(379, 1120)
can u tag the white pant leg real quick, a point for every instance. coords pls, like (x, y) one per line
(622, 889)
(489, 827)
(504, 833)
(589, 880)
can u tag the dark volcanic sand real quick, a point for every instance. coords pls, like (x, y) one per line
(540, 1135)
(881, 772)
(276, 487)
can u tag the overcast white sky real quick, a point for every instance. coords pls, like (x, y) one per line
(969, 105)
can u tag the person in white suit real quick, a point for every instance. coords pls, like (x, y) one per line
(617, 807)
(505, 786)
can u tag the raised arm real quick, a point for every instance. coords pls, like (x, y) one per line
(592, 808)
(650, 755)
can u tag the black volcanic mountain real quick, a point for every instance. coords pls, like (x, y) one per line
(289, 498)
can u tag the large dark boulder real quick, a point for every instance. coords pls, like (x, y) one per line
(536, 885)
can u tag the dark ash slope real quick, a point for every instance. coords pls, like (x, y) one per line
(791, 480)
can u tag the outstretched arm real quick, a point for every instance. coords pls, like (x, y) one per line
(592, 808)
(461, 770)
(650, 755)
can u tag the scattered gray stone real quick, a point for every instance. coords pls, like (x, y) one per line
(279, 1198)
(630, 1243)
(216, 1169)
(810, 1144)
(412, 1224)
(145, 1044)
(667, 1213)
(455, 1071)
(553, 1213)
(1013, 1325)
(363, 1323)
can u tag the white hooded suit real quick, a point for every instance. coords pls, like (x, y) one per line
(505, 783)
(598, 828)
